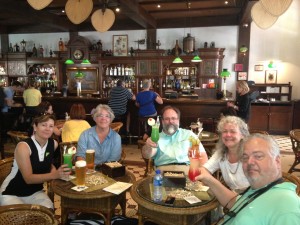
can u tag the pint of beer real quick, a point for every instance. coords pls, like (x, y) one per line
(80, 171)
(90, 158)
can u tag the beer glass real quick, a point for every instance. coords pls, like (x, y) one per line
(90, 160)
(80, 171)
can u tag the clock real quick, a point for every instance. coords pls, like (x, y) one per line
(78, 54)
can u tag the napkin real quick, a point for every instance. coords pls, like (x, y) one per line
(192, 199)
(76, 188)
(117, 188)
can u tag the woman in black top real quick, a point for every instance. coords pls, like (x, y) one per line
(33, 166)
(243, 102)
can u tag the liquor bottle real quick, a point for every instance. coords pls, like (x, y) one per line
(61, 45)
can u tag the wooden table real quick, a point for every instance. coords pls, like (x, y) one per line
(98, 201)
(181, 213)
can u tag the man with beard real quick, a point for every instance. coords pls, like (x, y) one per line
(170, 153)
(268, 200)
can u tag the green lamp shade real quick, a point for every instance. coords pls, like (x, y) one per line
(271, 65)
(85, 61)
(177, 60)
(69, 62)
(225, 73)
(243, 49)
(196, 59)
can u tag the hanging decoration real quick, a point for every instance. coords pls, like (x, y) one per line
(78, 11)
(39, 4)
(103, 19)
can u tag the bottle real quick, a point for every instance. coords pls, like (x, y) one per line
(60, 45)
(157, 186)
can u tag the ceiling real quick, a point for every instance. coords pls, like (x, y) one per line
(17, 16)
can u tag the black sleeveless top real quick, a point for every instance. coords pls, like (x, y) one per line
(17, 185)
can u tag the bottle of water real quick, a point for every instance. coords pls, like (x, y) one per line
(157, 186)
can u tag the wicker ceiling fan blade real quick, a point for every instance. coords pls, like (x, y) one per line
(39, 4)
(103, 21)
(78, 11)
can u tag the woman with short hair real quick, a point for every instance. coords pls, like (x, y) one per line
(104, 140)
(33, 166)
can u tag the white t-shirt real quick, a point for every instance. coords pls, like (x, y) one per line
(232, 173)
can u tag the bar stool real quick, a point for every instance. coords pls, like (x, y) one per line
(142, 122)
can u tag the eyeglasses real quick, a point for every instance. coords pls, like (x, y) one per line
(256, 155)
(107, 116)
(229, 131)
(170, 118)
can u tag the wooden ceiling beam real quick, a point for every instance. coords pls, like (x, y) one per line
(135, 12)
(23, 9)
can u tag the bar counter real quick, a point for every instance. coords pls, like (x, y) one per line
(190, 108)
(275, 117)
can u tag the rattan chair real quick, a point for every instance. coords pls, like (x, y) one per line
(17, 136)
(23, 214)
(292, 178)
(116, 126)
(295, 139)
(5, 168)
(258, 132)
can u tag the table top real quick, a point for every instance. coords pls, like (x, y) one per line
(207, 136)
(63, 188)
(141, 193)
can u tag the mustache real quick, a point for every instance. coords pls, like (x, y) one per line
(170, 128)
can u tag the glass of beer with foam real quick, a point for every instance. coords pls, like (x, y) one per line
(80, 171)
(90, 160)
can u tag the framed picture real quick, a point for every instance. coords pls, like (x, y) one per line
(89, 81)
(259, 67)
(242, 76)
(271, 77)
(238, 67)
(120, 45)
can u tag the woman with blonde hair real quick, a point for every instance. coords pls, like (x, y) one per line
(243, 101)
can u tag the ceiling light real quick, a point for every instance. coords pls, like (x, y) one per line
(117, 9)
(226, 2)
(158, 6)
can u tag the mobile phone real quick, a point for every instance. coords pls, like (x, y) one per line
(170, 200)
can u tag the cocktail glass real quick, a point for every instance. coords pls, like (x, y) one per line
(155, 134)
(68, 160)
(195, 163)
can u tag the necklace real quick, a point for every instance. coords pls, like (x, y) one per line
(236, 169)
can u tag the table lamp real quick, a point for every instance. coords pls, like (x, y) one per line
(224, 74)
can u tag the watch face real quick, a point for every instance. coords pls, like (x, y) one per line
(78, 54)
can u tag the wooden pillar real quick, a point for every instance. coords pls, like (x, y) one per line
(244, 40)
(151, 38)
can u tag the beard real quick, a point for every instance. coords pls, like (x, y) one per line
(170, 129)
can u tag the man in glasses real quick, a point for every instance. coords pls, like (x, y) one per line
(170, 153)
(268, 200)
